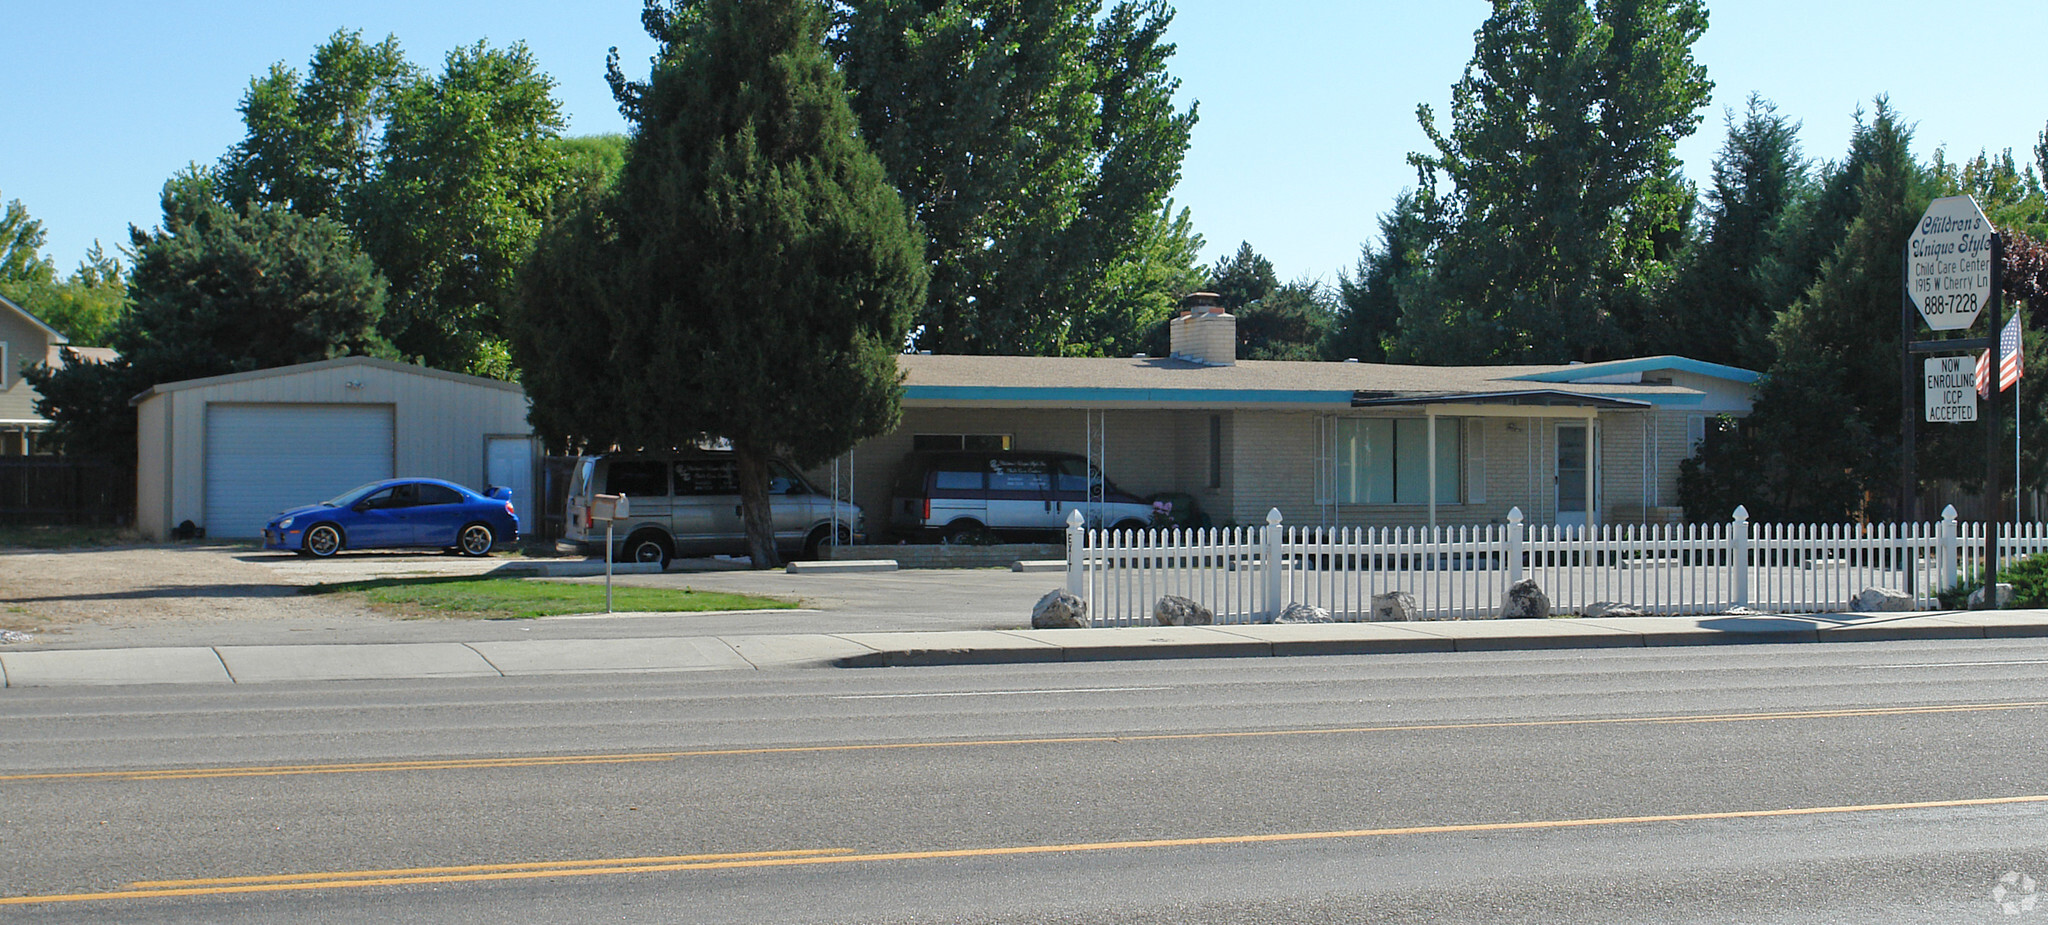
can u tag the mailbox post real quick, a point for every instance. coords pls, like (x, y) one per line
(609, 508)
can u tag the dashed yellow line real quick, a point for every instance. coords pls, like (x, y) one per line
(478, 873)
(538, 761)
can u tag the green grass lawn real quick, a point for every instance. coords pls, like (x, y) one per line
(522, 598)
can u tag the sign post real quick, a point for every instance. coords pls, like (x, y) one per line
(608, 508)
(1952, 275)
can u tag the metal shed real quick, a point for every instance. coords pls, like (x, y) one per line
(226, 452)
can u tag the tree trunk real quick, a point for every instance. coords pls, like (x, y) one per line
(755, 513)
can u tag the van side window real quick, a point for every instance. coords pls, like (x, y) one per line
(956, 481)
(637, 478)
(706, 477)
(1072, 475)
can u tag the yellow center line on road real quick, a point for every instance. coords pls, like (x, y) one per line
(457, 764)
(482, 868)
(619, 866)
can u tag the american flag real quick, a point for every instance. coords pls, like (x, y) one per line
(2008, 364)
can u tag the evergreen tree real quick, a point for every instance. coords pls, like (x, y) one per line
(1563, 192)
(767, 271)
(1371, 307)
(1034, 140)
(1292, 322)
(1243, 278)
(1822, 441)
(1716, 307)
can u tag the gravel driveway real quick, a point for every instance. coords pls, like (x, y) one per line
(173, 594)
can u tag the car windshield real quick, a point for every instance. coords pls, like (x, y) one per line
(349, 497)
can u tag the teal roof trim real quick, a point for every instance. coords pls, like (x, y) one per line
(1644, 364)
(1164, 396)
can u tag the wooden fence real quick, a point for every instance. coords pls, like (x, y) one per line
(49, 490)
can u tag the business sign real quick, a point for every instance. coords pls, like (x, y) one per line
(1951, 390)
(1948, 263)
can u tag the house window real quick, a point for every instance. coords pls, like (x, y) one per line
(1386, 460)
(931, 443)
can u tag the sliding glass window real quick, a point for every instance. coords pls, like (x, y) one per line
(1386, 460)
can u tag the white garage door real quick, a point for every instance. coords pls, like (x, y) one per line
(262, 459)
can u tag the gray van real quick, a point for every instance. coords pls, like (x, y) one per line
(689, 504)
(960, 496)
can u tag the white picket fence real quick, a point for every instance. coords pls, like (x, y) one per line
(1246, 574)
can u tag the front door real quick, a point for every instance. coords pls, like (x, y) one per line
(1571, 476)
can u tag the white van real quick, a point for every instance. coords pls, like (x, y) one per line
(689, 504)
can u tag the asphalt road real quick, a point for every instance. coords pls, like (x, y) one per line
(1872, 782)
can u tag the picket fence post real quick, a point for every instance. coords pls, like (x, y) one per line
(1513, 552)
(1738, 556)
(1273, 582)
(1947, 539)
(1074, 522)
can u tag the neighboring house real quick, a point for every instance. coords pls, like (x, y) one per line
(1326, 443)
(24, 342)
(227, 452)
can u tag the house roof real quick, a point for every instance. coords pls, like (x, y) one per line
(1160, 381)
(372, 362)
(56, 337)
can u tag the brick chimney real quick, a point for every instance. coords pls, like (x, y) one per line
(1204, 332)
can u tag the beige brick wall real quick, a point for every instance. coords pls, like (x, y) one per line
(1269, 460)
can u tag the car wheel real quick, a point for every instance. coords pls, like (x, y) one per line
(648, 547)
(477, 540)
(322, 540)
(966, 532)
(814, 547)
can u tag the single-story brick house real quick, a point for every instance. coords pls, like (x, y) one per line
(1326, 443)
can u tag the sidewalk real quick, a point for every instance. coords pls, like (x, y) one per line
(249, 664)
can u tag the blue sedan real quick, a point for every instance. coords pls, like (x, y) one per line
(397, 512)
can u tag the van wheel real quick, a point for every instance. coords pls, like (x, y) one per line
(814, 545)
(648, 546)
(966, 533)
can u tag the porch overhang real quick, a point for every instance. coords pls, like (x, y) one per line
(1543, 403)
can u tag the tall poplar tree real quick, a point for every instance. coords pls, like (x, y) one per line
(1035, 141)
(1563, 194)
(766, 271)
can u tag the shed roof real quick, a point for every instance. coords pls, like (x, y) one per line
(279, 371)
(1163, 381)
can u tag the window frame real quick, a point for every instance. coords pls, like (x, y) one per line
(1354, 488)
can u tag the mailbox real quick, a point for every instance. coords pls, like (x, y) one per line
(609, 507)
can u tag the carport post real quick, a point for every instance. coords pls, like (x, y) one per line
(608, 565)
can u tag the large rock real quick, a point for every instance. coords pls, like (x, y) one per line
(1301, 613)
(1174, 610)
(1611, 609)
(1059, 609)
(1880, 600)
(2004, 597)
(1394, 606)
(1525, 601)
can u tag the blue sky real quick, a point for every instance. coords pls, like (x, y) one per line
(1307, 106)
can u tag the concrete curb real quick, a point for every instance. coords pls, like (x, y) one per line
(527, 658)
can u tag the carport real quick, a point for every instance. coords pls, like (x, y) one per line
(226, 452)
